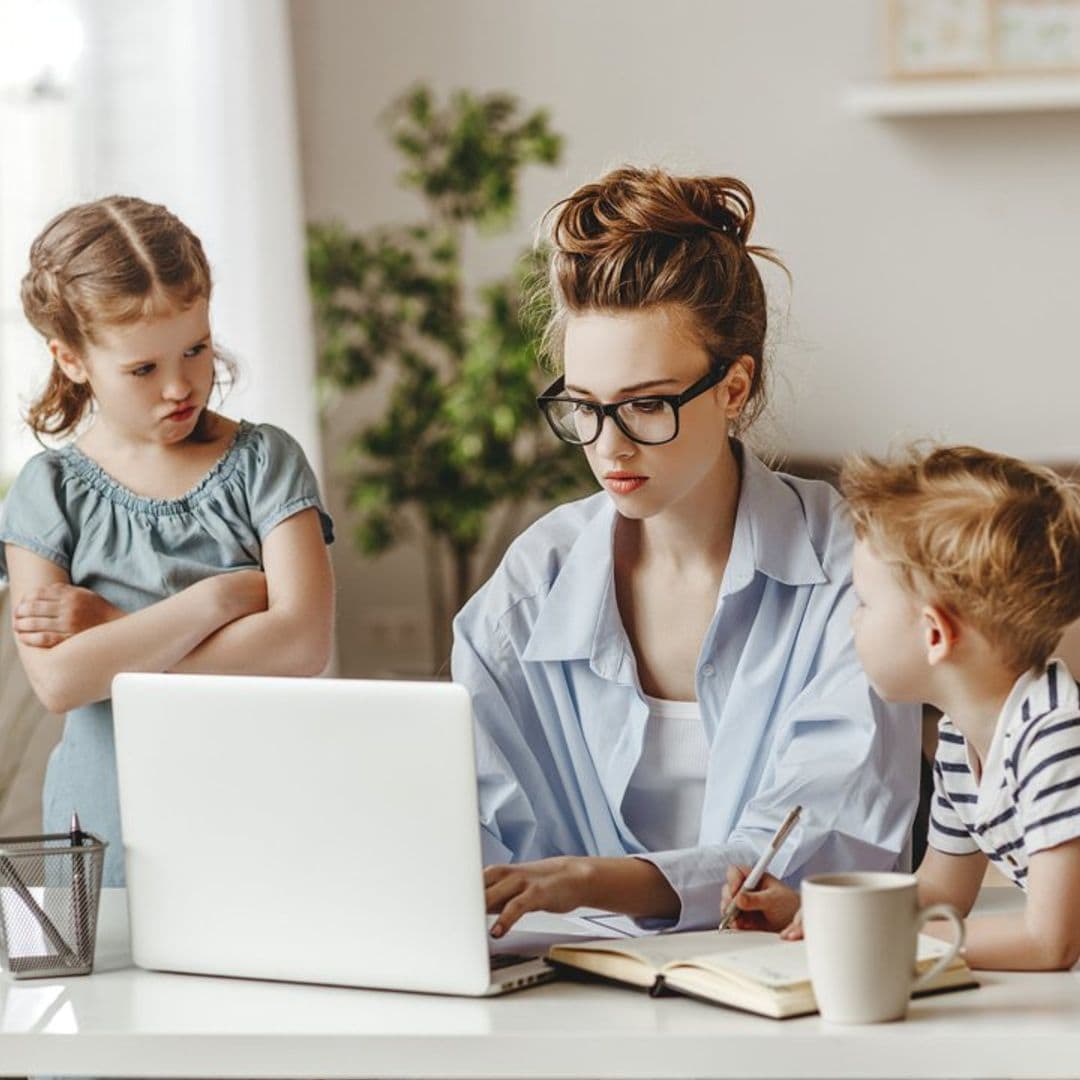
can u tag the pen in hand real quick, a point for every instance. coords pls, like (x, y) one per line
(751, 881)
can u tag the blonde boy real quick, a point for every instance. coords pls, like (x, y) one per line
(967, 572)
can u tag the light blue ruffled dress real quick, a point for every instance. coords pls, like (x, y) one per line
(135, 551)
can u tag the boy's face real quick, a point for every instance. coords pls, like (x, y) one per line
(889, 629)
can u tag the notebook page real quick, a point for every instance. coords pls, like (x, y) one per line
(779, 964)
(784, 964)
(667, 948)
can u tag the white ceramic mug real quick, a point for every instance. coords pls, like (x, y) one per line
(861, 932)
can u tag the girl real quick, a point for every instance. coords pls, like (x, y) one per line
(665, 669)
(165, 537)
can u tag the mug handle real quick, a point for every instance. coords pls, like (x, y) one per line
(939, 911)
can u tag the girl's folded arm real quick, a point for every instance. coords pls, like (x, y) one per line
(294, 635)
(80, 669)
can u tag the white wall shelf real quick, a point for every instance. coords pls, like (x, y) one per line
(954, 97)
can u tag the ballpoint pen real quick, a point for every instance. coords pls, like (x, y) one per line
(78, 891)
(750, 882)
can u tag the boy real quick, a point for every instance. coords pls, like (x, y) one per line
(967, 572)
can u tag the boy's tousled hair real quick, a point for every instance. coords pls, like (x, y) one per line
(994, 540)
(640, 239)
(110, 262)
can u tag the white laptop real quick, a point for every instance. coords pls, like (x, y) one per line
(317, 830)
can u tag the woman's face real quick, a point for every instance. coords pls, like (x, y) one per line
(610, 357)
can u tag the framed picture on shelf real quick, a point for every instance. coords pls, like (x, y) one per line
(942, 38)
(1036, 36)
(939, 37)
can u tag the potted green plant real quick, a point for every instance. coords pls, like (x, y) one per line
(461, 452)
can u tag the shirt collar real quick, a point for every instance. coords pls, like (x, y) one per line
(576, 610)
(995, 754)
(771, 533)
(579, 619)
(1034, 694)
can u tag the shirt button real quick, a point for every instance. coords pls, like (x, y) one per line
(1010, 860)
(708, 671)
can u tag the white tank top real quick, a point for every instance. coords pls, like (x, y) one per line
(663, 800)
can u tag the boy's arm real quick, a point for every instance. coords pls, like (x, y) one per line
(951, 879)
(294, 635)
(1045, 936)
(80, 668)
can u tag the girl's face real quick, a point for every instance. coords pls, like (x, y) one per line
(610, 357)
(151, 380)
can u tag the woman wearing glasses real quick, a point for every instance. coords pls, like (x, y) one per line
(661, 671)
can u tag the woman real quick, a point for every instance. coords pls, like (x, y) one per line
(663, 670)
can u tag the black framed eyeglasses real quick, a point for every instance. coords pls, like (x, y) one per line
(651, 420)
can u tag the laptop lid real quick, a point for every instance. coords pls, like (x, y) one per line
(321, 830)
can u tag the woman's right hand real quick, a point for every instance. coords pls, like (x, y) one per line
(238, 593)
(771, 906)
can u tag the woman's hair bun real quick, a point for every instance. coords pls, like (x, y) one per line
(630, 202)
(638, 239)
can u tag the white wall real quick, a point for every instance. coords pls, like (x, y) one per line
(936, 261)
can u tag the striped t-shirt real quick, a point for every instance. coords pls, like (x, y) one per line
(1028, 797)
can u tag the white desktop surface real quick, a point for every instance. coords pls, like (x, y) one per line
(125, 1022)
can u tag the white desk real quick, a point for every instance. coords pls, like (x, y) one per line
(126, 1022)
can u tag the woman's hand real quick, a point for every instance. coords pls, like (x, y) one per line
(559, 884)
(54, 612)
(771, 906)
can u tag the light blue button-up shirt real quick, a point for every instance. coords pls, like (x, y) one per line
(789, 715)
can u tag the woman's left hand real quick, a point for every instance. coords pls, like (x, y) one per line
(559, 884)
(55, 612)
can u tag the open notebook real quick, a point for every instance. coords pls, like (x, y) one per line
(742, 969)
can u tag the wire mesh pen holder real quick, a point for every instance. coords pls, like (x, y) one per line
(49, 892)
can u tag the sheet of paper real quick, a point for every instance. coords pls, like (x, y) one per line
(609, 923)
(535, 932)
(29, 940)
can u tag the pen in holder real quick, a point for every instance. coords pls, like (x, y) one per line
(49, 891)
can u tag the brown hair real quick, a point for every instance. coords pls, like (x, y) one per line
(642, 238)
(994, 540)
(110, 262)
